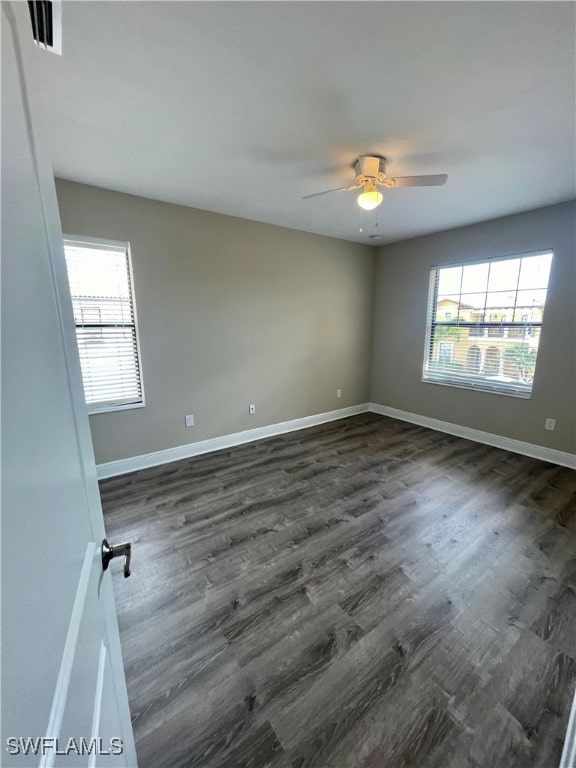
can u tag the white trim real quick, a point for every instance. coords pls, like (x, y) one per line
(56, 27)
(122, 466)
(97, 242)
(93, 410)
(485, 260)
(134, 463)
(17, 17)
(463, 384)
(68, 654)
(498, 441)
(98, 702)
(568, 759)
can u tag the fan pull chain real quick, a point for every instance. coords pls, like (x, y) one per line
(361, 220)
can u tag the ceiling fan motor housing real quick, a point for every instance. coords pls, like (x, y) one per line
(369, 168)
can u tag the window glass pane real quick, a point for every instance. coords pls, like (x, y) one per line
(95, 309)
(445, 306)
(506, 314)
(501, 299)
(449, 281)
(532, 302)
(475, 278)
(520, 361)
(472, 303)
(535, 271)
(96, 272)
(492, 361)
(495, 331)
(525, 315)
(107, 359)
(504, 275)
(445, 351)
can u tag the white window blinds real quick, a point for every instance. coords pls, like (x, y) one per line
(484, 322)
(101, 287)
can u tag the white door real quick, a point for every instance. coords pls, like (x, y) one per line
(63, 698)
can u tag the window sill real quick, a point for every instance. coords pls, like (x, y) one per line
(94, 410)
(472, 388)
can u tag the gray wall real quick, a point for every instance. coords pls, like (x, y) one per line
(231, 312)
(401, 289)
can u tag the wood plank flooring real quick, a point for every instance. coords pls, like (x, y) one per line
(363, 594)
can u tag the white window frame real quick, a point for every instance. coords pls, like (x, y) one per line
(480, 385)
(98, 242)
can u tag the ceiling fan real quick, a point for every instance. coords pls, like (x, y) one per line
(370, 175)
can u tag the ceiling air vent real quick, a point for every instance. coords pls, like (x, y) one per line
(46, 17)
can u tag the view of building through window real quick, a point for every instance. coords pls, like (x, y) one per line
(484, 323)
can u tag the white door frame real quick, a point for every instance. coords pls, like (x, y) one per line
(15, 17)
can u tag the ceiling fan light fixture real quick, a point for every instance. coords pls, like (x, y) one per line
(370, 199)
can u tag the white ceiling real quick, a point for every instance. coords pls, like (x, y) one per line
(244, 107)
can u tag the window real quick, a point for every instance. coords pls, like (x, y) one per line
(494, 332)
(100, 278)
(445, 351)
(492, 361)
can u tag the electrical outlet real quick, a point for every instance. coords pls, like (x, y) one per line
(189, 421)
(252, 409)
(550, 424)
(338, 393)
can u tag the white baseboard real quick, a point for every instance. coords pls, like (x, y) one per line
(122, 466)
(498, 441)
(568, 759)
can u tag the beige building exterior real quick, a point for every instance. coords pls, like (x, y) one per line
(487, 351)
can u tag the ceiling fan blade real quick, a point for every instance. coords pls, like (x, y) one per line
(436, 180)
(328, 191)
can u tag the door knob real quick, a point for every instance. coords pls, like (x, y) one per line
(118, 550)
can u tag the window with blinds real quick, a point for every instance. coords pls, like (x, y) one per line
(101, 287)
(484, 322)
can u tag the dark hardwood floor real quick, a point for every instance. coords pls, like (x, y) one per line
(363, 594)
